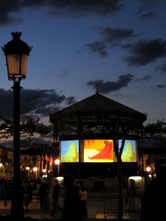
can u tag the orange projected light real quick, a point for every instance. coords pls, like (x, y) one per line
(98, 151)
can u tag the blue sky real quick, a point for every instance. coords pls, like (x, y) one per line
(118, 44)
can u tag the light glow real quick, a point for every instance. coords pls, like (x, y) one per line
(148, 169)
(44, 170)
(60, 178)
(27, 168)
(34, 169)
(135, 178)
(57, 162)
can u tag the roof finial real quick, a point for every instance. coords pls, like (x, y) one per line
(97, 88)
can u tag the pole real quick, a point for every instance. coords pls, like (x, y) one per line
(120, 198)
(17, 211)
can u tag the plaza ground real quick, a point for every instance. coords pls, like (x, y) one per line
(98, 204)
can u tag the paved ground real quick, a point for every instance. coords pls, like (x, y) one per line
(95, 206)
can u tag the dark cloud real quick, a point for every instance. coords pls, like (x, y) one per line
(145, 51)
(113, 35)
(41, 102)
(146, 78)
(8, 8)
(161, 68)
(98, 47)
(148, 15)
(150, 8)
(110, 37)
(149, 4)
(70, 100)
(78, 8)
(161, 86)
(109, 86)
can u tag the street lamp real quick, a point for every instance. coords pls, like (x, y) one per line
(57, 163)
(16, 52)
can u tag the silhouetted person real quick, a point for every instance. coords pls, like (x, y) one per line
(4, 191)
(83, 199)
(132, 188)
(55, 196)
(27, 194)
(71, 210)
(153, 203)
(43, 195)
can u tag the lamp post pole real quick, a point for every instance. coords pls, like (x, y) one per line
(16, 52)
(17, 210)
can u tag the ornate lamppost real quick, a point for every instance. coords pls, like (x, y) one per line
(16, 52)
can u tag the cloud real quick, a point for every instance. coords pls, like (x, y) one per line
(33, 102)
(161, 86)
(145, 51)
(149, 4)
(99, 47)
(78, 8)
(150, 8)
(113, 35)
(161, 68)
(146, 78)
(148, 15)
(70, 100)
(109, 86)
(8, 8)
(110, 37)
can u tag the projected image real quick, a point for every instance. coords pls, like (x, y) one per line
(98, 151)
(129, 151)
(70, 151)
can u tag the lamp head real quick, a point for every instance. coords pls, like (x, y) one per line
(16, 52)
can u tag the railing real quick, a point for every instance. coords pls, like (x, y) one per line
(131, 207)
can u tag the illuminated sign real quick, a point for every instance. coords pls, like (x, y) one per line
(98, 151)
(129, 151)
(70, 151)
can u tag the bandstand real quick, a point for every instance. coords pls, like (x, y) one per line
(98, 137)
(88, 135)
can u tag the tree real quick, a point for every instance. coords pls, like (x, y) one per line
(155, 130)
(28, 126)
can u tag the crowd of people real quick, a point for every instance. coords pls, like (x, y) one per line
(69, 199)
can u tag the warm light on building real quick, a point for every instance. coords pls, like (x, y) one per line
(34, 169)
(27, 168)
(135, 178)
(57, 162)
(1, 165)
(44, 170)
(60, 178)
(148, 169)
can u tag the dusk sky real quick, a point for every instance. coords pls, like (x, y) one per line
(119, 45)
